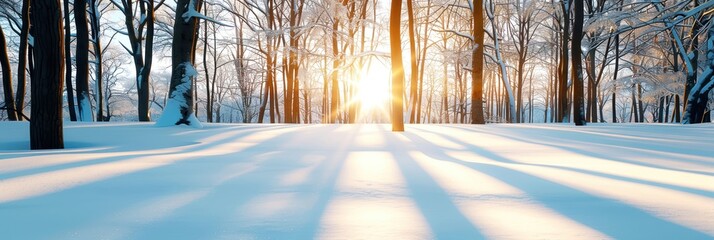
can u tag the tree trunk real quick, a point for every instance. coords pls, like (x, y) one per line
(334, 90)
(143, 76)
(84, 106)
(98, 71)
(22, 63)
(677, 115)
(413, 83)
(577, 58)
(7, 79)
(68, 64)
(395, 43)
(562, 115)
(614, 78)
(477, 65)
(46, 125)
(179, 107)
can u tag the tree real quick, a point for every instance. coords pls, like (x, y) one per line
(7, 79)
(68, 63)
(502, 65)
(577, 58)
(94, 21)
(477, 64)
(698, 96)
(179, 107)
(21, 70)
(562, 109)
(395, 45)
(84, 106)
(141, 41)
(46, 92)
(414, 82)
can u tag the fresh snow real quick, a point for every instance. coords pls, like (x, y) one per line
(525, 181)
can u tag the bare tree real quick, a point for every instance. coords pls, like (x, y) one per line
(7, 79)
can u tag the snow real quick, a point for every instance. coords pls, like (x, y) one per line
(525, 181)
(172, 112)
(192, 13)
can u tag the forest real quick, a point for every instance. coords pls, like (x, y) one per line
(303, 61)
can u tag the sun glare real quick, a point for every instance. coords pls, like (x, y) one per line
(373, 93)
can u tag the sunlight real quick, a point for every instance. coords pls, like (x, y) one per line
(373, 93)
(371, 194)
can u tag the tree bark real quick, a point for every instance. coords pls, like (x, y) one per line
(46, 125)
(395, 45)
(562, 115)
(22, 63)
(84, 108)
(413, 83)
(179, 107)
(7, 79)
(98, 71)
(477, 65)
(577, 58)
(68, 64)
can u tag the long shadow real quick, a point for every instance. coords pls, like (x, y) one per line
(445, 219)
(611, 217)
(615, 140)
(103, 197)
(546, 140)
(595, 155)
(225, 202)
(140, 153)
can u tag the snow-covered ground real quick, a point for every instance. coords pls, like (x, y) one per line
(137, 181)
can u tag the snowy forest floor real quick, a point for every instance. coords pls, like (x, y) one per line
(520, 181)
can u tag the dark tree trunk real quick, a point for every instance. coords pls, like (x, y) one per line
(68, 64)
(677, 115)
(179, 108)
(98, 71)
(209, 97)
(46, 92)
(698, 95)
(577, 58)
(7, 79)
(395, 45)
(142, 56)
(82, 60)
(144, 74)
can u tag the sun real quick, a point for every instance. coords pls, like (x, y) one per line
(373, 93)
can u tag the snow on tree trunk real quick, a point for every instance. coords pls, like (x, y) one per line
(179, 107)
(699, 95)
